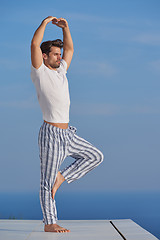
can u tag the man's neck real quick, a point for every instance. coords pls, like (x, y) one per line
(55, 69)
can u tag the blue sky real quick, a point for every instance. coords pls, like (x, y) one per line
(114, 81)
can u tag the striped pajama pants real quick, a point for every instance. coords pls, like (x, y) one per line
(55, 144)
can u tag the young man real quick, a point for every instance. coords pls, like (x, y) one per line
(57, 140)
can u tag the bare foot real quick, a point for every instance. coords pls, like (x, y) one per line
(55, 228)
(59, 180)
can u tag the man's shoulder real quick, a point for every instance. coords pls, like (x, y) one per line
(33, 69)
(36, 73)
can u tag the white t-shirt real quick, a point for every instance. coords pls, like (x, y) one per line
(52, 92)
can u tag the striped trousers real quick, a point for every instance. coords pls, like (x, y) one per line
(55, 144)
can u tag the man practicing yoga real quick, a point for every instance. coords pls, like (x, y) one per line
(57, 139)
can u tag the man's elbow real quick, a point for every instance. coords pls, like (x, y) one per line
(68, 48)
(72, 51)
(34, 43)
(68, 51)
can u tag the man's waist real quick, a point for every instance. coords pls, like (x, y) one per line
(59, 125)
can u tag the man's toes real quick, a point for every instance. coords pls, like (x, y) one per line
(63, 230)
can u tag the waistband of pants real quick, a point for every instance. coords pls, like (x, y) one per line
(59, 130)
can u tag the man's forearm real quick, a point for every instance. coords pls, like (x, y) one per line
(38, 35)
(67, 39)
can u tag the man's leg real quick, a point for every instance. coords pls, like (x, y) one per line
(51, 155)
(87, 158)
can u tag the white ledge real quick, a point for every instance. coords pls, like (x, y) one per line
(80, 229)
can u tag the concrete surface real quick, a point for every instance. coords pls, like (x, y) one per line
(80, 230)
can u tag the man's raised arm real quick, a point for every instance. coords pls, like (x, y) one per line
(68, 46)
(67, 40)
(36, 53)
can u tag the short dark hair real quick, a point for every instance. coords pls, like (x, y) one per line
(46, 46)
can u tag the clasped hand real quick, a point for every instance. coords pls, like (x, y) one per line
(60, 22)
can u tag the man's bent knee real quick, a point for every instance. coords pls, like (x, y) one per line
(101, 157)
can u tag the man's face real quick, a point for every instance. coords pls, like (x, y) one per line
(54, 58)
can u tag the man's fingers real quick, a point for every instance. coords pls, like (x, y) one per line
(55, 20)
(60, 22)
(50, 18)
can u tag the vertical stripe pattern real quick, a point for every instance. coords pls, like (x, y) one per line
(55, 144)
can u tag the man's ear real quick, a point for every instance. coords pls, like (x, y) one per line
(44, 55)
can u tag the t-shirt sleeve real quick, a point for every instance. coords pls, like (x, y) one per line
(35, 73)
(63, 66)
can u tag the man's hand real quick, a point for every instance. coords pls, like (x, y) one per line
(49, 19)
(60, 22)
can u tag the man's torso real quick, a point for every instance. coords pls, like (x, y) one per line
(53, 93)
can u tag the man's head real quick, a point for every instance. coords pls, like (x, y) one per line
(51, 51)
